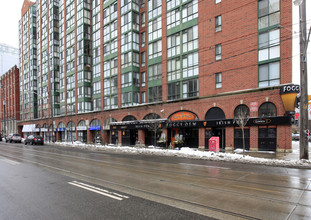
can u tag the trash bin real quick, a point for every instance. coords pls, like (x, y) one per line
(213, 144)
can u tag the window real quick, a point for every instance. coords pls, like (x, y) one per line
(143, 97)
(191, 65)
(173, 18)
(190, 11)
(173, 91)
(155, 94)
(143, 79)
(143, 59)
(126, 79)
(218, 52)
(173, 69)
(143, 19)
(267, 109)
(190, 39)
(154, 8)
(217, 1)
(218, 80)
(269, 45)
(155, 49)
(142, 39)
(155, 29)
(155, 72)
(190, 88)
(173, 45)
(218, 23)
(268, 13)
(269, 74)
(142, 3)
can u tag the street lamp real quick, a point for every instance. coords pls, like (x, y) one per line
(304, 154)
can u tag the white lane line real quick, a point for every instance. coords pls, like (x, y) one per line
(12, 162)
(99, 190)
(198, 165)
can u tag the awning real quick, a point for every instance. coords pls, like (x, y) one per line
(29, 128)
(94, 128)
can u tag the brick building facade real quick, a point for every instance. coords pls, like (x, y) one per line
(9, 104)
(122, 67)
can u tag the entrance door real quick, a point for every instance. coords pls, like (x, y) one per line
(267, 139)
(174, 131)
(238, 139)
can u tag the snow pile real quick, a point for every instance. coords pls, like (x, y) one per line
(186, 152)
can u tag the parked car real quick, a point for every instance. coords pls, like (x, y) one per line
(295, 137)
(34, 139)
(13, 138)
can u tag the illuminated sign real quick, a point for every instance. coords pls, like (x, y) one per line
(288, 94)
(183, 116)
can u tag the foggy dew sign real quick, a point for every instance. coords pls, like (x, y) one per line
(183, 116)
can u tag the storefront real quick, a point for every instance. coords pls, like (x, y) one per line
(71, 131)
(61, 132)
(82, 131)
(95, 128)
(109, 136)
(28, 129)
(183, 129)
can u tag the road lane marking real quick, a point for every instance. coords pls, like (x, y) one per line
(257, 189)
(99, 190)
(12, 162)
(198, 165)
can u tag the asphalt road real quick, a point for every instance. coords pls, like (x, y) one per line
(48, 182)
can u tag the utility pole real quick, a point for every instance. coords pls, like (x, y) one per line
(304, 154)
(50, 94)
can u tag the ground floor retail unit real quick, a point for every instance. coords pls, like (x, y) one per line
(260, 120)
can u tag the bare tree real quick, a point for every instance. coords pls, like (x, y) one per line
(241, 117)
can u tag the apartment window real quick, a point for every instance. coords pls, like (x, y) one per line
(269, 45)
(217, 1)
(143, 19)
(191, 65)
(96, 104)
(173, 45)
(155, 72)
(269, 74)
(126, 79)
(218, 80)
(218, 52)
(155, 29)
(218, 23)
(173, 69)
(190, 39)
(155, 49)
(142, 3)
(190, 88)
(143, 59)
(268, 13)
(155, 94)
(173, 18)
(154, 8)
(142, 39)
(173, 91)
(190, 11)
(143, 79)
(143, 97)
(126, 99)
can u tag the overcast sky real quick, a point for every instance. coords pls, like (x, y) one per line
(10, 14)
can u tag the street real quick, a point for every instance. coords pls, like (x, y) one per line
(52, 182)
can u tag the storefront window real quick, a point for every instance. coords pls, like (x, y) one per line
(267, 109)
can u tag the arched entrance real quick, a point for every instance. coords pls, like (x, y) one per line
(129, 136)
(95, 128)
(241, 113)
(111, 136)
(182, 128)
(267, 134)
(215, 113)
(82, 131)
(153, 133)
(71, 131)
(60, 131)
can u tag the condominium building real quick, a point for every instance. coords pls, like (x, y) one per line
(118, 70)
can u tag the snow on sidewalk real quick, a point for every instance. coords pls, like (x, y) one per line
(186, 152)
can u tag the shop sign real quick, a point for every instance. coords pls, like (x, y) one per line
(81, 128)
(253, 106)
(94, 128)
(183, 116)
(262, 121)
(289, 89)
(183, 124)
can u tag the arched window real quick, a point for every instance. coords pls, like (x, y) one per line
(107, 123)
(152, 116)
(241, 110)
(81, 123)
(95, 122)
(71, 126)
(129, 118)
(215, 113)
(267, 109)
(61, 125)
